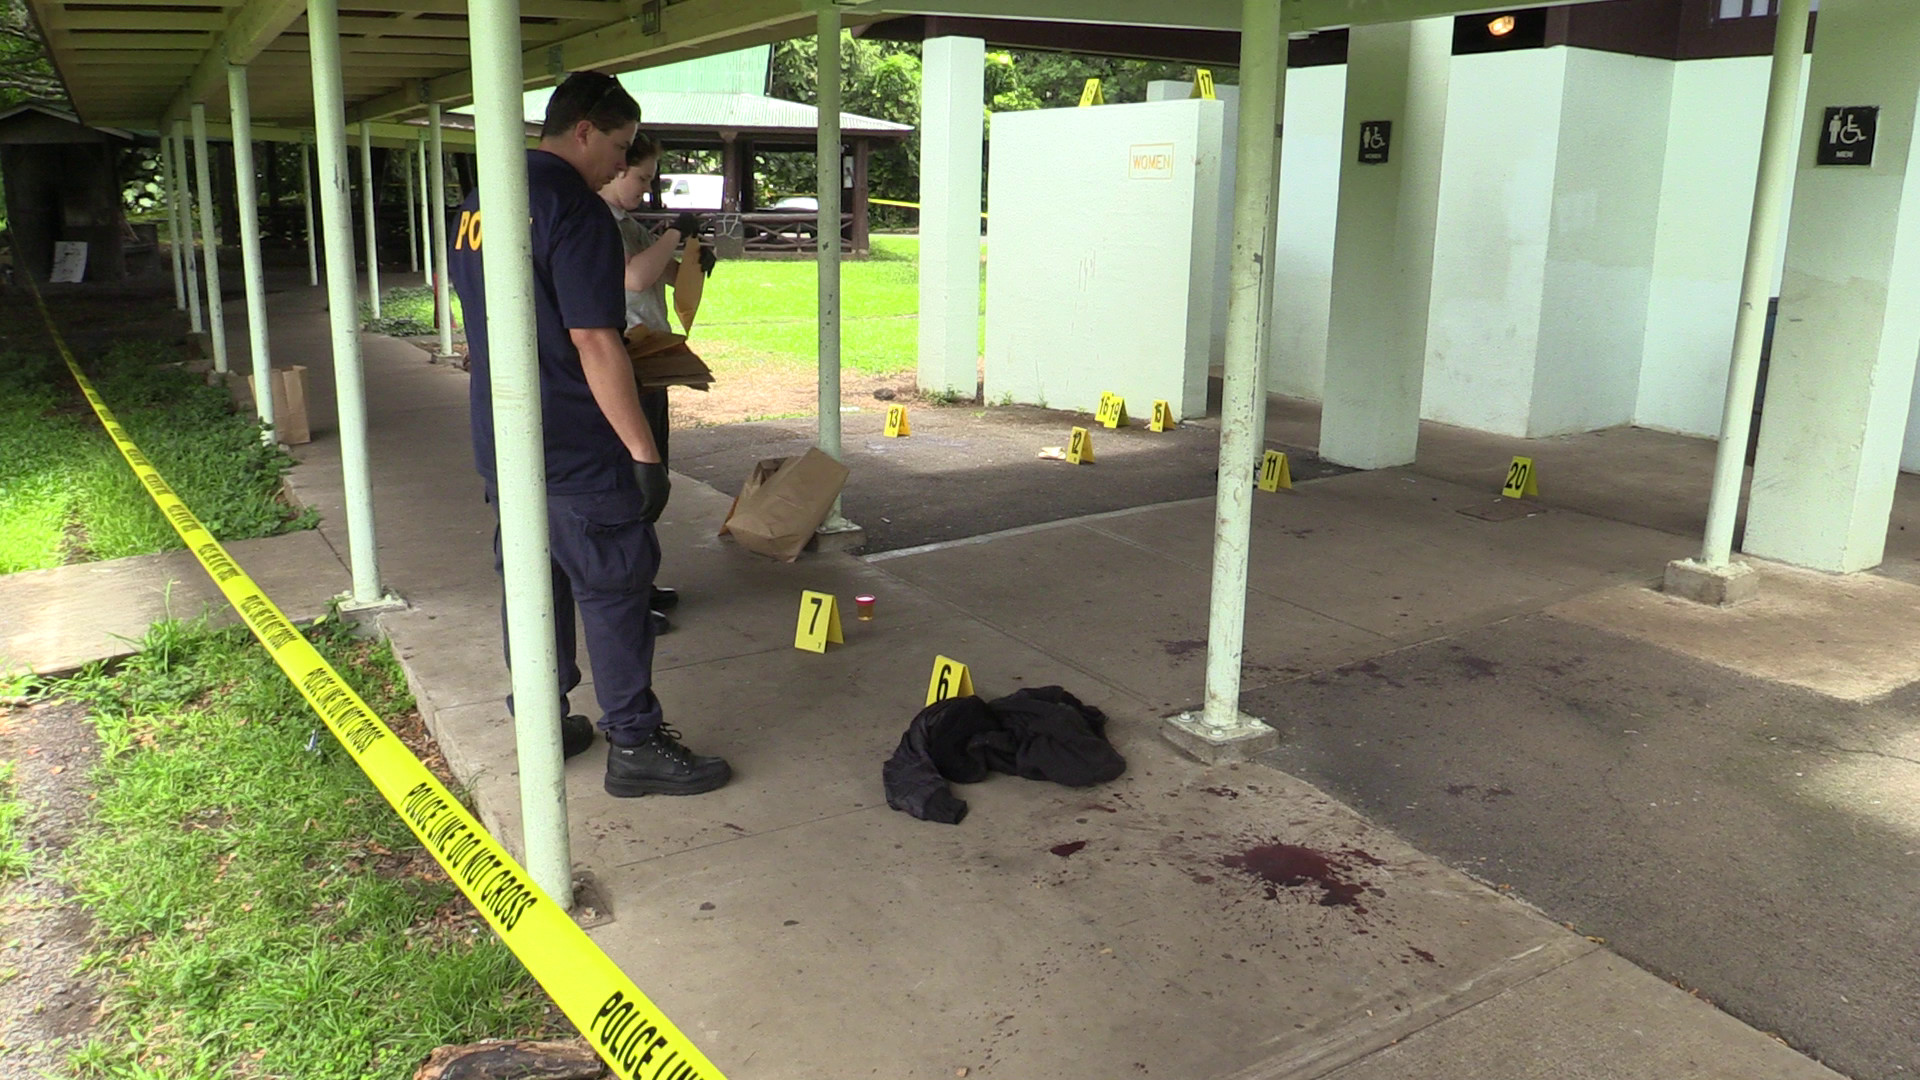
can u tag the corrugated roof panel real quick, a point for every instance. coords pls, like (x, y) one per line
(664, 108)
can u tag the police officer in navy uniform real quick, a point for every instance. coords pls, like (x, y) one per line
(606, 485)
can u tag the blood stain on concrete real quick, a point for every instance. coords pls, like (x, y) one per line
(1288, 866)
(1065, 850)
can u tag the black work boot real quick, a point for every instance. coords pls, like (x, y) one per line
(664, 599)
(661, 766)
(576, 736)
(661, 624)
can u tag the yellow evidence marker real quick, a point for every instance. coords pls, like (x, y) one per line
(1162, 417)
(1203, 86)
(819, 622)
(1090, 94)
(1113, 411)
(1274, 472)
(1520, 479)
(1079, 447)
(897, 422)
(950, 679)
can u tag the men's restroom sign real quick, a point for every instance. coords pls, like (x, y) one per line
(1848, 135)
(1376, 139)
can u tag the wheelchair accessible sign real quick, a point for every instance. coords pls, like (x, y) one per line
(1848, 135)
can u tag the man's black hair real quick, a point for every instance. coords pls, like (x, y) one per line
(590, 96)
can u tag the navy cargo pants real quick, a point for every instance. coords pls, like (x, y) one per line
(604, 560)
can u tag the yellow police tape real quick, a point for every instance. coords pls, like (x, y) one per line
(627, 1030)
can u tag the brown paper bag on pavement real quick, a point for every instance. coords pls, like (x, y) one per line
(784, 503)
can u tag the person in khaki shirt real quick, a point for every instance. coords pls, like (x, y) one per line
(650, 264)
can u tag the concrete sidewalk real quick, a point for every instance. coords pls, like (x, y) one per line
(1181, 921)
(61, 618)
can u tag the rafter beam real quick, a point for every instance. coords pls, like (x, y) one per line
(248, 33)
(689, 29)
(66, 41)
(1299, 15)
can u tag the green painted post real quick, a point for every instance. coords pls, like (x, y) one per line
(1771, 187)
(441, 300)
(827, 187)
(183, 196)
(173, 223)
(248, 196)
(343, 314)
(373, 227)
(216, 322)
(520, 462)
(306, 204)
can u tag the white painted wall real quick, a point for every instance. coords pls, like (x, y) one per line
(1706, 203)
(1600, 250)
(1309, 201)
(1490, 253)
(1309, 206)
(1229, 96)
(1100, 278)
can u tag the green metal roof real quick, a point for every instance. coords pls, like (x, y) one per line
(743, 71)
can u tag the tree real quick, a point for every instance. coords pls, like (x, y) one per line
(25, 72)
(881, 79)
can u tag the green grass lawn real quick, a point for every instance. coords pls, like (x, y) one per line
(66, 494)
(260, 909)
(763, 311)
(406, 311)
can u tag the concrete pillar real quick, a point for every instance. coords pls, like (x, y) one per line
(1841, 378)
(952, 90)
(1397, 75)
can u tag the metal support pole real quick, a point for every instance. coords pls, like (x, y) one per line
(173, 223)
(519, 462)
(343, 317)
(373, 227)
(216, 322)
(827, 154)
(413, 230)
(306, 203)
(185, 199)
(1262, 66)
(419, 166)
(1263, 364)
(248, 196)
(1777, 155)
(442, 303)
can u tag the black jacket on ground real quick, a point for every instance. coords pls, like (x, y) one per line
(1041, 733)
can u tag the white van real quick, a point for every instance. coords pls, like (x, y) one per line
(686, 191)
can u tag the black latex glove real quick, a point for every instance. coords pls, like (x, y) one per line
(654, 489)
(687, 224)
(707, 259)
